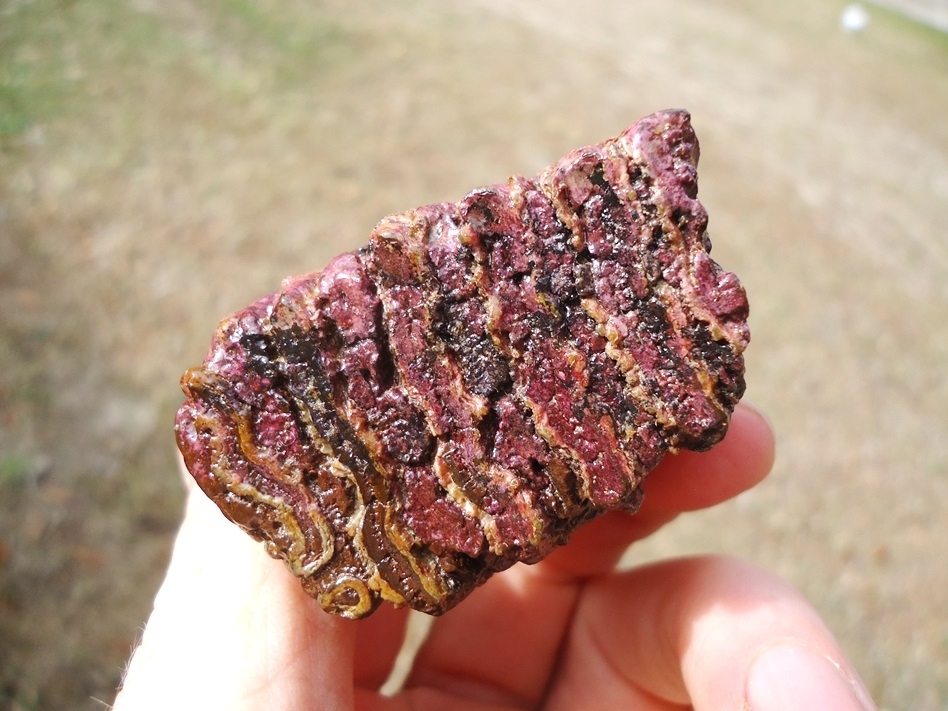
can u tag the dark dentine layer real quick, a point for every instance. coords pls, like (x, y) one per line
(476, 382)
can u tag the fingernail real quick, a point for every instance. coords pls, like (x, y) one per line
(790, 677)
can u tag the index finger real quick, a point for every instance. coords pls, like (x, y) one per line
(683, 482)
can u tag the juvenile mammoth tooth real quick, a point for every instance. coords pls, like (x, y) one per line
(477, 381)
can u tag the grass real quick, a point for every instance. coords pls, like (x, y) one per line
(58, 57)
(298, 39)
(905, 43)
(33, 85)
(14, 469)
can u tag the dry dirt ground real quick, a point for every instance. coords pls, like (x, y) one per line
(164, 162)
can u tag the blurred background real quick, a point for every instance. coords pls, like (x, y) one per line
(165, 162)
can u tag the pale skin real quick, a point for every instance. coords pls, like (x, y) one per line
(231, 628)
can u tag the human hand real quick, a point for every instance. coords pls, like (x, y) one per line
(232, 629)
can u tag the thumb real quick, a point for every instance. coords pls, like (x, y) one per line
(232, 629)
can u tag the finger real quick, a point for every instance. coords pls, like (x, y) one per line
(711, 632)
(696, 480)
(424, 699)
(231, 628)
(682, 482)
(499, 645)
(378, 641)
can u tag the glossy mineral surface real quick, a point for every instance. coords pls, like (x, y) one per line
(477, 381)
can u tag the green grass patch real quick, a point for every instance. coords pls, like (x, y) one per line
(906, 41)
(15, 469)
(293, 33)
(33, 82)
(288, 43)
(57, 57)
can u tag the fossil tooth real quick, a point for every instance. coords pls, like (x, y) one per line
(477, 381)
